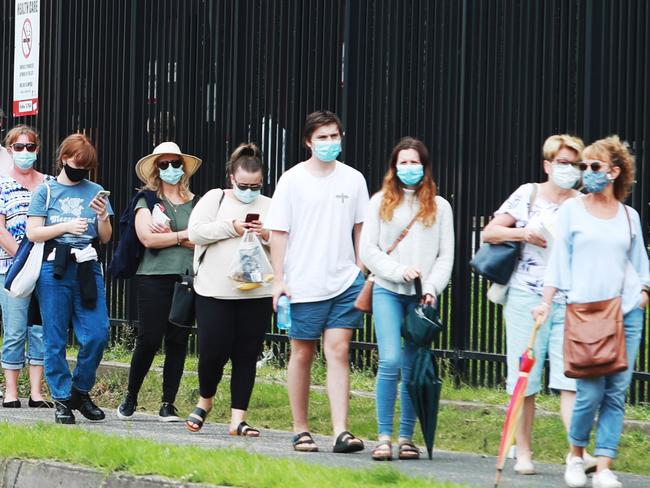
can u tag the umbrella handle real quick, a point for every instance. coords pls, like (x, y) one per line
(533, 335)
(418, 288)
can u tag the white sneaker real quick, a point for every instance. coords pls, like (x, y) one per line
(574, 475)
(524, 467)
(606, 479)
(590, 462)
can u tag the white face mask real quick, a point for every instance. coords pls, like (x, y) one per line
(565, 175)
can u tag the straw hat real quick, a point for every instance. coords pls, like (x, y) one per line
(145, 165)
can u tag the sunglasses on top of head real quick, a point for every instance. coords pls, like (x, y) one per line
(176, 163)
(20, 146)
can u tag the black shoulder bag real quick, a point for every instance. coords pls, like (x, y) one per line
(182, 311)
(497, 262)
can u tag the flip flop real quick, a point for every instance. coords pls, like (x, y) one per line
(346, 443)
(304, 442)
(245, 430)
(197, 417)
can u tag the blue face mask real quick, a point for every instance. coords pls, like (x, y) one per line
(595, 182)
(24, 159)
(326, 151)
(246, 196)
(410, 174)
(171, 175)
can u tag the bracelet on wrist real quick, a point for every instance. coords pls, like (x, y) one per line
(178, 239)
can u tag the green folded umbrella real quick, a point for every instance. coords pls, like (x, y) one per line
(420, 327)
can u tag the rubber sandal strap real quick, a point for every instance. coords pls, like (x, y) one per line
(298, 442)
(243, 429)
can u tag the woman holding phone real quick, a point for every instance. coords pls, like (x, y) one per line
(168, 252)
(73, 221)
(231, 322)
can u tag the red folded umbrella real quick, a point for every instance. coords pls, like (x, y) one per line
(515, 406)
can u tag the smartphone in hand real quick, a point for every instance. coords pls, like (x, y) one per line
(102, 194)
(252, 217)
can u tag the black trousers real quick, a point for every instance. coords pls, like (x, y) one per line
(154, 301)
(231, 329)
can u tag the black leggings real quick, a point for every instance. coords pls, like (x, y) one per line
(231, 329)
(155, 294)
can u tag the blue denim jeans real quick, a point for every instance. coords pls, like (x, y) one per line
(60, 302)
(389, 309)
(606, 394)
(15, 332)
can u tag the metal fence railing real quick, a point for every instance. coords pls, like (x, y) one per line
(482, 83)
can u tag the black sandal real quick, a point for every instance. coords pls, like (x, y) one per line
(383, 451)
(304, 442)
(245, 430)
(197, 417)
(408, 450)
(346, 443)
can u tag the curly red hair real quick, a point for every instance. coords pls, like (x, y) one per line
(393, 189)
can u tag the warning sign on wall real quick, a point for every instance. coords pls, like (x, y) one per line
(26, 54)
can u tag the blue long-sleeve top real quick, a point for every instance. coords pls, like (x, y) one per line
(594, 259)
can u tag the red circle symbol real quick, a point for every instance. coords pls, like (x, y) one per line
(26, 38)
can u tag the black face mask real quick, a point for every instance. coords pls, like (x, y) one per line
(75, 174)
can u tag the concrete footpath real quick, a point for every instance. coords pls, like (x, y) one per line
(446, 466)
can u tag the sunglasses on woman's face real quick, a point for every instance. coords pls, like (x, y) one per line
(244, 187)
(21, 146)
(595, 166)
(176, 163)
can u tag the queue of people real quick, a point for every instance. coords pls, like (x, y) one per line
(318, 235)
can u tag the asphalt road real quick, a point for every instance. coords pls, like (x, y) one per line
(446, 466)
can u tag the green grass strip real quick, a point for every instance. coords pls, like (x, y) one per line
(229, 467)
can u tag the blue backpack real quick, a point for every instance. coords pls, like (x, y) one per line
(130, 250)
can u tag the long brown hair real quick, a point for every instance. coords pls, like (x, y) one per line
(393, 189)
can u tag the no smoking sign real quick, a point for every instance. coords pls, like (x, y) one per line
(26, 38)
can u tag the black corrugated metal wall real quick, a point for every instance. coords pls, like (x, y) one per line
(481, 82)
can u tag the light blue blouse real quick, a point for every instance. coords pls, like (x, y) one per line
(593, 259)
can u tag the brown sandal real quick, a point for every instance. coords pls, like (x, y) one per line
(383, 451)
(245, 430)
(408, 450)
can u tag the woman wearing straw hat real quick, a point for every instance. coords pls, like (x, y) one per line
(168, 254)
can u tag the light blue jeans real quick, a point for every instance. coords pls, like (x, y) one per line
(389, 309)
(606, 394)
(60, 301)
(16, 332)
(549, 341)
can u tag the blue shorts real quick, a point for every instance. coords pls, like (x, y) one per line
(310, 319)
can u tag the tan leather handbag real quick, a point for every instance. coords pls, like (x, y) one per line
(364, 299)
(594, 336)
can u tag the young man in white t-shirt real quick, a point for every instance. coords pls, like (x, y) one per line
(316, 215)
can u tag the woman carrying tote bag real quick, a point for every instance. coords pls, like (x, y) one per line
(599, 256)
(407, 198)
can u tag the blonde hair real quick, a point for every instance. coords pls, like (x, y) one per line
(154, 183)
(13, 135)
(618, 153)
(555, 143)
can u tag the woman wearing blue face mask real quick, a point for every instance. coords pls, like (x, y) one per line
(599, 254)
(528, 216)
(231, 320)
(15, 195)
(407, 200)
(168, 254)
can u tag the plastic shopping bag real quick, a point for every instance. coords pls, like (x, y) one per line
(250, 268)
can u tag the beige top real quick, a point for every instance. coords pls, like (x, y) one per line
(211, 229)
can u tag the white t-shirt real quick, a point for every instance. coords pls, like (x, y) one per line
(319, 213)
(529, 273)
